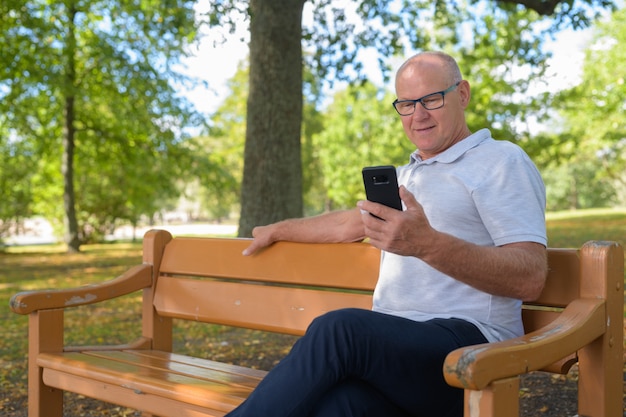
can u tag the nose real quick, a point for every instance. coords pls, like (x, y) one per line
(420, 112)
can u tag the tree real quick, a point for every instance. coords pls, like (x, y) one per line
(225, 142)
(272, 176)
(16, 175)
(94, 79)
(272, 169)
(588, 149)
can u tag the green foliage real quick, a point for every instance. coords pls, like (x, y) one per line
(360, 129)
(599, 97)
(133, 159)
(500, 65)
(587, 150)
(17, 166)
(103, 72)
(219, 189)
(499, 42)
(313, 188)
(577, 185)
(335, 38)
(224, 144)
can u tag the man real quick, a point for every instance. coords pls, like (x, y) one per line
(469, 246)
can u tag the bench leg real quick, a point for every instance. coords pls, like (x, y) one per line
(500, 398)
(45, 334)
(601, 363)
(43, 401)
(600, 378)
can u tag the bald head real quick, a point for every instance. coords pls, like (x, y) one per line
(430, 61)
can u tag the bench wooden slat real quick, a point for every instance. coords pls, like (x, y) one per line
(536, 319)
(202, 363)
(205, 369)
(136, 375)
(327, 268)
(150, 404)
(284, 310)
(564, 284)
(140, 379)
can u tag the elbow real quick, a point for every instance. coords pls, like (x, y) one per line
(533, 263)
(535, 283)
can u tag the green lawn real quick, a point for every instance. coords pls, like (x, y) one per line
(572, 229)
(39, 267)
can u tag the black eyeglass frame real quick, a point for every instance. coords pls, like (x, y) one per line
(421, 100)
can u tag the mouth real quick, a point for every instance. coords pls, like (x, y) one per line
(424, 129)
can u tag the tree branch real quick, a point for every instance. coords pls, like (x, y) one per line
(543, 7)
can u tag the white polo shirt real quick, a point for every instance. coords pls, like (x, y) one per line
(480, 190)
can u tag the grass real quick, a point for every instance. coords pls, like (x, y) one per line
(573, 228)
(118, 321)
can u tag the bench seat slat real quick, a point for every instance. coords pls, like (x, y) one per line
(284, 310)
(137, 374)
(202, 363)
(116, 394)
(199, 386)
(328, 268)
(200, 369)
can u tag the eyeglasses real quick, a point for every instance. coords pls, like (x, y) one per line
(430, 102)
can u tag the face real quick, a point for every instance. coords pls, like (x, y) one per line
(432, 131)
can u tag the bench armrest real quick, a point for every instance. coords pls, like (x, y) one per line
(475, 367)
(136, 278)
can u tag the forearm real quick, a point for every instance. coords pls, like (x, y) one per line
(337, 226)
(332, 227)
(517, 270)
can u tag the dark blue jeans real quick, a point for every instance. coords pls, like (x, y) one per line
(356, 362)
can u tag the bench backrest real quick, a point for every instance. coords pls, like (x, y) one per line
(284, 287)
(281, 289)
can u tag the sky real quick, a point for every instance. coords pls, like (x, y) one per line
(215, 64)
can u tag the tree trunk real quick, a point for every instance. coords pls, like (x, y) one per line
(272, 176)
(67, 163)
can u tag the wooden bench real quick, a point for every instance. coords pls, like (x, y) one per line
(577, 319)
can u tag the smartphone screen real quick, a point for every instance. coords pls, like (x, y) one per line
(381, 186)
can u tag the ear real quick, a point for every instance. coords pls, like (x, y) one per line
(464, 93)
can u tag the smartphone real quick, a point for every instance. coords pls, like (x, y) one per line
(381, 185)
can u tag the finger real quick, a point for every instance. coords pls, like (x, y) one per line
(254, 246)
(379, 211)
(258, 241)
(407, 198)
